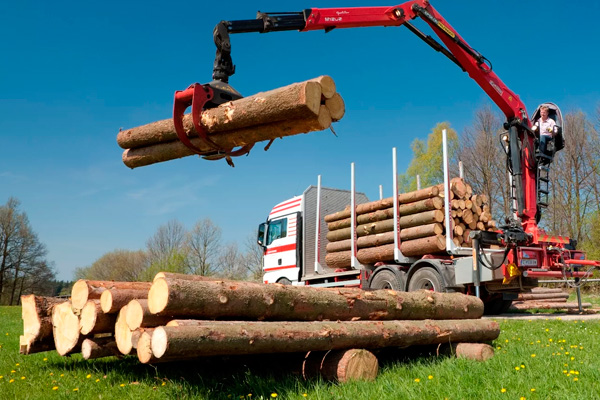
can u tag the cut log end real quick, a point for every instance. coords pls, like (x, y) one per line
(135, 314)
(65, 328)
(159, 342)
(474, 351)
(79, 294)
(144, 348)
(350, 365)
(88, 317)
(158, 296)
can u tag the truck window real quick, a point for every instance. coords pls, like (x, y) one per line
(277, 230)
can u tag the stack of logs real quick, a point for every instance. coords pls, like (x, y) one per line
(182, 317)
(298, 108)
(422, 224)
(545, 299)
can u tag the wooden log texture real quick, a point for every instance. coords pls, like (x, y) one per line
(36, 312)
(99, 348)
(407, 221)
(93, 320)
(538, 296)
(349, 365)
(189, 277)
(123, 333)
(144, 348)
(336, 107)
(65, 329)
(221, 338)
(139, 316)
(112, 300)
(473, 351)
(137, 334)
(254, 301)
(327, 84)
(296, 101)
(84, 290)
(362, 242)
(547, 290)
(546, 305)
(165, 151)
(403, 198)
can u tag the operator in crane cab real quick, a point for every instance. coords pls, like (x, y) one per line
(546, 127)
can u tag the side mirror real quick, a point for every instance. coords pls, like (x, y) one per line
(262, 229)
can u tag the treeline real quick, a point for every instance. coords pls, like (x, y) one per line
(173, 248)
(24, 268)
(574, 201)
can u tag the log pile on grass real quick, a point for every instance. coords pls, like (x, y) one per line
(184, 317)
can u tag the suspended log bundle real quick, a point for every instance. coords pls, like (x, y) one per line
(421, 218)
(297, 108)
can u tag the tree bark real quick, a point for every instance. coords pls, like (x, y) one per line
(349, 365)
(94, 320)
(296, 101)
(188, 277)
(403, 198)
(165, 151)
(538, 296)
(36, 312)
(84, 290)
(99, 348)
(112, 300)
(254, 301)
(528, 305)
(221, 338)
(65, 329)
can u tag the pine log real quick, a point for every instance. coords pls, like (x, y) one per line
(458, 187)
(459, 230)
(372, 255)
(99, 348)
(36, 312)
(473, 351)
(469, 204)
(422, 246)
(165, 151)
(336, 107)
(403, 198)
(139, 316)
(123, 333)
(144, 348)
(461, 204)
(254, 301)
(84, 290)
(221, 338)
(433, 203)
(327, 84)
(349, 365)
(296, 101)
(546, 290)
(477, 200)
(538, 296)
(480, 226)
(189, 277)
(112, 300)
(65, 329)
(485, 216)
(339, 260)
(93, 320)
(468, 217)
(137, 334)
(469, 191)
(528, 305)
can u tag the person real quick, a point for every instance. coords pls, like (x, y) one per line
(545, 126)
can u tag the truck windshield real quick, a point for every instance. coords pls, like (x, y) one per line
(277, 230)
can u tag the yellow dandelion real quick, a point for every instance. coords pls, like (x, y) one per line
(503, 390)
(62, 374)
(273, 395)
(11, 381)
(499, 348)
(430, 377)
(55, 388)
(522, 398)
(122, 385)
(76, 390)
(12, 371)
(6, 333)
(98, 380)
(547, 330)
(566, 352)
(51, 373)
(417, 380)
(522, 365)
(304, 394)
(572, 358)
(88, 376)
(1, 376)
(22, 377)
(164, 383)
(550, 339)
(45, 359)
(517, 368)
(532, 389)
(576, 372)
(506, 341)
(575, 379)
(533, 355)
(565, 371)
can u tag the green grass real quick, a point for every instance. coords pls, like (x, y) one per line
(554, 358)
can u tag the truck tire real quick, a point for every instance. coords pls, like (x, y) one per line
(284, 281)
(386, 279)
(426, 278)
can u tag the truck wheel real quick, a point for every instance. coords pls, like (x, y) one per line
(284, 281)
(387, 279)
(428, 279)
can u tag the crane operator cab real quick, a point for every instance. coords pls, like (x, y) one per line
(547, 125)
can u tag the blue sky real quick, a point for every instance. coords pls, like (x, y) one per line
(73, 73)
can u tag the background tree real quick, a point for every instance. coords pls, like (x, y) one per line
(252, 258)
(118, 265)
(484, 160)
(230, 262)
(167, 250)
(427, 161)
(203, 244)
